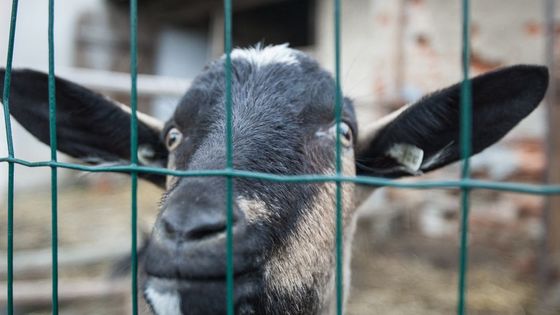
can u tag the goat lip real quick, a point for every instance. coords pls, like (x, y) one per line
(179, 277)
(209, 266)
(200, 268)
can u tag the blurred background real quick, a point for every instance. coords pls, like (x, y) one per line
(393, 52)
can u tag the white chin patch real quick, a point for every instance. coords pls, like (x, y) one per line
(167, 303)
(262, 56)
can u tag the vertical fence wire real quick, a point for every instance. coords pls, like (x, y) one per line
(338, 166)
(134, 154)
(465, 142)
(9, 140)
(229, 156)
(54, 175)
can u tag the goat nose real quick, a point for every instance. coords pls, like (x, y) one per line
(204, 225)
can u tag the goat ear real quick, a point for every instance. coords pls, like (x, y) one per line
(90, 127)
(425, 136)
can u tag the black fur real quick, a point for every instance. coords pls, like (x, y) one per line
(500, 100)
(89, 125)
(277, 110)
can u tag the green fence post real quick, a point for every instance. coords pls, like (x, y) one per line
(9, 139)
(338, 166)
(465, 141)
(54, 176)
(229, 157)
(134, 152)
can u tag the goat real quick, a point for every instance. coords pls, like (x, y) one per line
(283, 123)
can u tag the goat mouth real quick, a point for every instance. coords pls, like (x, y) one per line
(200, 296)
(198, 266)
(179, 278)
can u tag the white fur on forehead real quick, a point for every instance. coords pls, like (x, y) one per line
(262, 56)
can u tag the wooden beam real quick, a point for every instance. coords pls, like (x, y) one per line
(38, 293)
(33, 262)
(188, 11)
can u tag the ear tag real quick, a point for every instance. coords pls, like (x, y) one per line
(408, 155)
(146, 154)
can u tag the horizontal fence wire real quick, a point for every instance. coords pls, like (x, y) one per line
(514, 187)
(10, 144)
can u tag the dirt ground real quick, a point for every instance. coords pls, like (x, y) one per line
(416, 275)
(406, 274)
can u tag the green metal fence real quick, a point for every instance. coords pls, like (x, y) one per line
(465, 184)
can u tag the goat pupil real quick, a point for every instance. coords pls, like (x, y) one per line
(172, 140)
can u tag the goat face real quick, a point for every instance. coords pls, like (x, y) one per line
(283, 123)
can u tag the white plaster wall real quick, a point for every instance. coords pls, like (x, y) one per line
(180, 53)
(31, 50)
(370, 46)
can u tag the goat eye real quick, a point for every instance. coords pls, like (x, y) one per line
(345, 132)
(173, 139)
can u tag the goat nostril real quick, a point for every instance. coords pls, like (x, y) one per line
(182, 226)
(204, 231)
(169, 229)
